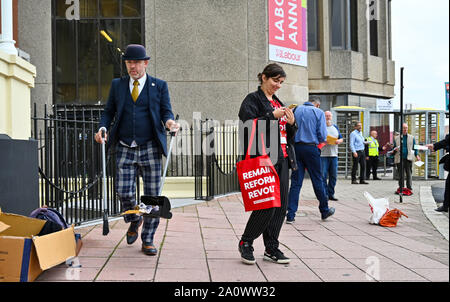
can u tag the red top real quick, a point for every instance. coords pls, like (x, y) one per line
(283, 132)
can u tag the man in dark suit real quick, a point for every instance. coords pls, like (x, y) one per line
(140, 107)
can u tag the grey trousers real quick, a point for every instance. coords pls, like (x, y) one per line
(407, 172)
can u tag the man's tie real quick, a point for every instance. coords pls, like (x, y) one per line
(135, 92)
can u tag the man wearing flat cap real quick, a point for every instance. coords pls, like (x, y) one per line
(139, 108)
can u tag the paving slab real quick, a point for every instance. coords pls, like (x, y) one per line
(199, 244)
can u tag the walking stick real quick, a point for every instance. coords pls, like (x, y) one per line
(105, 203)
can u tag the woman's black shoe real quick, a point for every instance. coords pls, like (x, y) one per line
(246, 250)
(442, 209)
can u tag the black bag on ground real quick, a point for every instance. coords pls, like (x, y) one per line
(55, 222)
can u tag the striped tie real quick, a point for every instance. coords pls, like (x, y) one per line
(135, 92)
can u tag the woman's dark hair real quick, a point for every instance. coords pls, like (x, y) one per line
(272, 71)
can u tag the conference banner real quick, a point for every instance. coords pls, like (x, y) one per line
(288, 31)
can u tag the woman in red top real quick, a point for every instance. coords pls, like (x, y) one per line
(263, 104)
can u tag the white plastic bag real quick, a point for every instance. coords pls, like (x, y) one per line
(379, 207)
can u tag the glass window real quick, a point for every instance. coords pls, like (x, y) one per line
(373, 37)
(109, 8)
(352, 28)
(313, 25)
(130, 32)
(87, 60)
(65, 63)
(131, 8)
(344, 25)
(337, 17)
(88, 52)
(373, 26)
(110, 59)
(88, 8)
(60, 8)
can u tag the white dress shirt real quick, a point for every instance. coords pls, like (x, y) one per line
(141, 83)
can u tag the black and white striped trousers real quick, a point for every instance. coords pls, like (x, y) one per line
(268, 222)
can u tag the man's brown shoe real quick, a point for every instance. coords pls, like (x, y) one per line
(132, 233)
(149, 250)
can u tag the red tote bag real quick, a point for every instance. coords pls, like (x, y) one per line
(258, 179)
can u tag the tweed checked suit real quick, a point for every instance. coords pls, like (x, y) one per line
(139, 139)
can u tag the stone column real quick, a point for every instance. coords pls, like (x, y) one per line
(6, 41)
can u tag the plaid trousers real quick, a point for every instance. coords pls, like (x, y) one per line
(145, 160)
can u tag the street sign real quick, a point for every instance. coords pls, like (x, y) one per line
(385, 105)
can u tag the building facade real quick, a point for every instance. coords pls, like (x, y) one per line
(350, 54)
(209, 51)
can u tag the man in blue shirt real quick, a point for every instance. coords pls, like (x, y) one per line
(357, 144)
(312, 130)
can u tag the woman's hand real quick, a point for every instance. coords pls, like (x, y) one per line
(290, 116)
(279, 112)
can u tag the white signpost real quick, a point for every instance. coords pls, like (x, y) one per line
(385, 105)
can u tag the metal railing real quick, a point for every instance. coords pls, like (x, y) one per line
(217, 160)
(70, 161)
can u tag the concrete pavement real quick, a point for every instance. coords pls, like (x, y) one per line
(200, 243)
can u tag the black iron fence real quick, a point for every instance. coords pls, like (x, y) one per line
(70, 161)
(217, 146)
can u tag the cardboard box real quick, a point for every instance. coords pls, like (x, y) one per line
(23, 255)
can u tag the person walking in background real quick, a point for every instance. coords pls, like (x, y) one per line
(372, 151)
(444, 144)
(329, 156)
(311, 132)
(263, 104)
(140, 106)
(357, 145)
(408, 153)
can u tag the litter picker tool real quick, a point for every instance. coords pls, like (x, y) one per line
(105, 203)
(157, 206)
